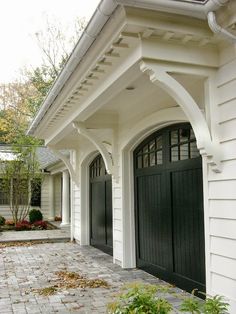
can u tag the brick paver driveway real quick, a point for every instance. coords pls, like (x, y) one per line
(23, 269)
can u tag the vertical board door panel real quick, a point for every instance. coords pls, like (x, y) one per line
(101, 233)
(169, 214)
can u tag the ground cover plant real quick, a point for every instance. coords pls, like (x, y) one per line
(139, 298)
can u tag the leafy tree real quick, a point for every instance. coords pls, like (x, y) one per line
(18, 175)
(14, 113)
(21, 99)
(55, 46)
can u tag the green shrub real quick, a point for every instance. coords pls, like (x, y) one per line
(191, 305)
(35, 215)
(2, 221)
(139, 298)
(212, 305)
(215, 305)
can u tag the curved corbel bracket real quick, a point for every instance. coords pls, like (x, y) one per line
(107, 157)
(67, 163)
(159, 76)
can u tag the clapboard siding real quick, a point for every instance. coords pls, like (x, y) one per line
(225, 286)
(228, 172)
(229, 269)
(117, 221)
(227, 130)
(224, 247)
(57, 194)
(5, 212)
(226, 74)
(225, 228)
(226, 92)
(223, 189)
(45, 197)
(77, 212)
(228, 150)
(225, 209)
(227, 111)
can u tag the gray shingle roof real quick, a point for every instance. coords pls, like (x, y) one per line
(45, 156)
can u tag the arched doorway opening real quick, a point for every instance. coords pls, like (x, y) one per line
(169, 217)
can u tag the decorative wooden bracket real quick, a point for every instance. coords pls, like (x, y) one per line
(67, 163)
(107, 157)
(159, 76)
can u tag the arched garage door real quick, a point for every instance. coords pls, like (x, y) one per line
(100, 206)
(169, 207)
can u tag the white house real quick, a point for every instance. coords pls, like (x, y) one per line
(52, 196)
(146, 105)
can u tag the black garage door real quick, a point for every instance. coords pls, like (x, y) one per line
(169, 207)
(100, 206)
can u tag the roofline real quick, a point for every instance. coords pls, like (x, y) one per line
(100, 17)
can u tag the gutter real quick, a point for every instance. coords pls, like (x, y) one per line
(102, 14)
(89, 35)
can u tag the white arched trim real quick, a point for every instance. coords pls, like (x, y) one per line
(151, 123)
(67, 163)
(159, 76)
(133, 138)
(101, 147)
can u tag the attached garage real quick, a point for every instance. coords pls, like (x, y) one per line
(100, 206)
(141, 74)
(169, 207)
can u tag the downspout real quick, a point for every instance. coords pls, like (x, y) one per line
(211, 7)
(217, 29)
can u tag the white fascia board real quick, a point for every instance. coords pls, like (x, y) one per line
(95, 25)
(206, 57)
(189, 8)
(112, 85)
(102, 14)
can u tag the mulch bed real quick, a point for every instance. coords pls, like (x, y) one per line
(6, 228)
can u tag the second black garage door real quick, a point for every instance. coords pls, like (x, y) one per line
(100, 206)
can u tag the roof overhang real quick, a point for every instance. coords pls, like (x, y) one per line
(111, 11)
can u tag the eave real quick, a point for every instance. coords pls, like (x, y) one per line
(105, 12)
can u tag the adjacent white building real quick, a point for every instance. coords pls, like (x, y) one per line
(52, 195)
(146, 105)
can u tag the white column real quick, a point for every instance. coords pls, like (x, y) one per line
(51, 211)
(65, 199)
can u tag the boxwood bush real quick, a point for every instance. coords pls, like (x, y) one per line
(35, 215)
(2, 221)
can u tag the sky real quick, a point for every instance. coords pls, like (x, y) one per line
(21, 19)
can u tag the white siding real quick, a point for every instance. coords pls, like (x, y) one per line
(117, 222)
(222, 192)
(57, 194)
(5, 212)
(77, 213)
(45, 197)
